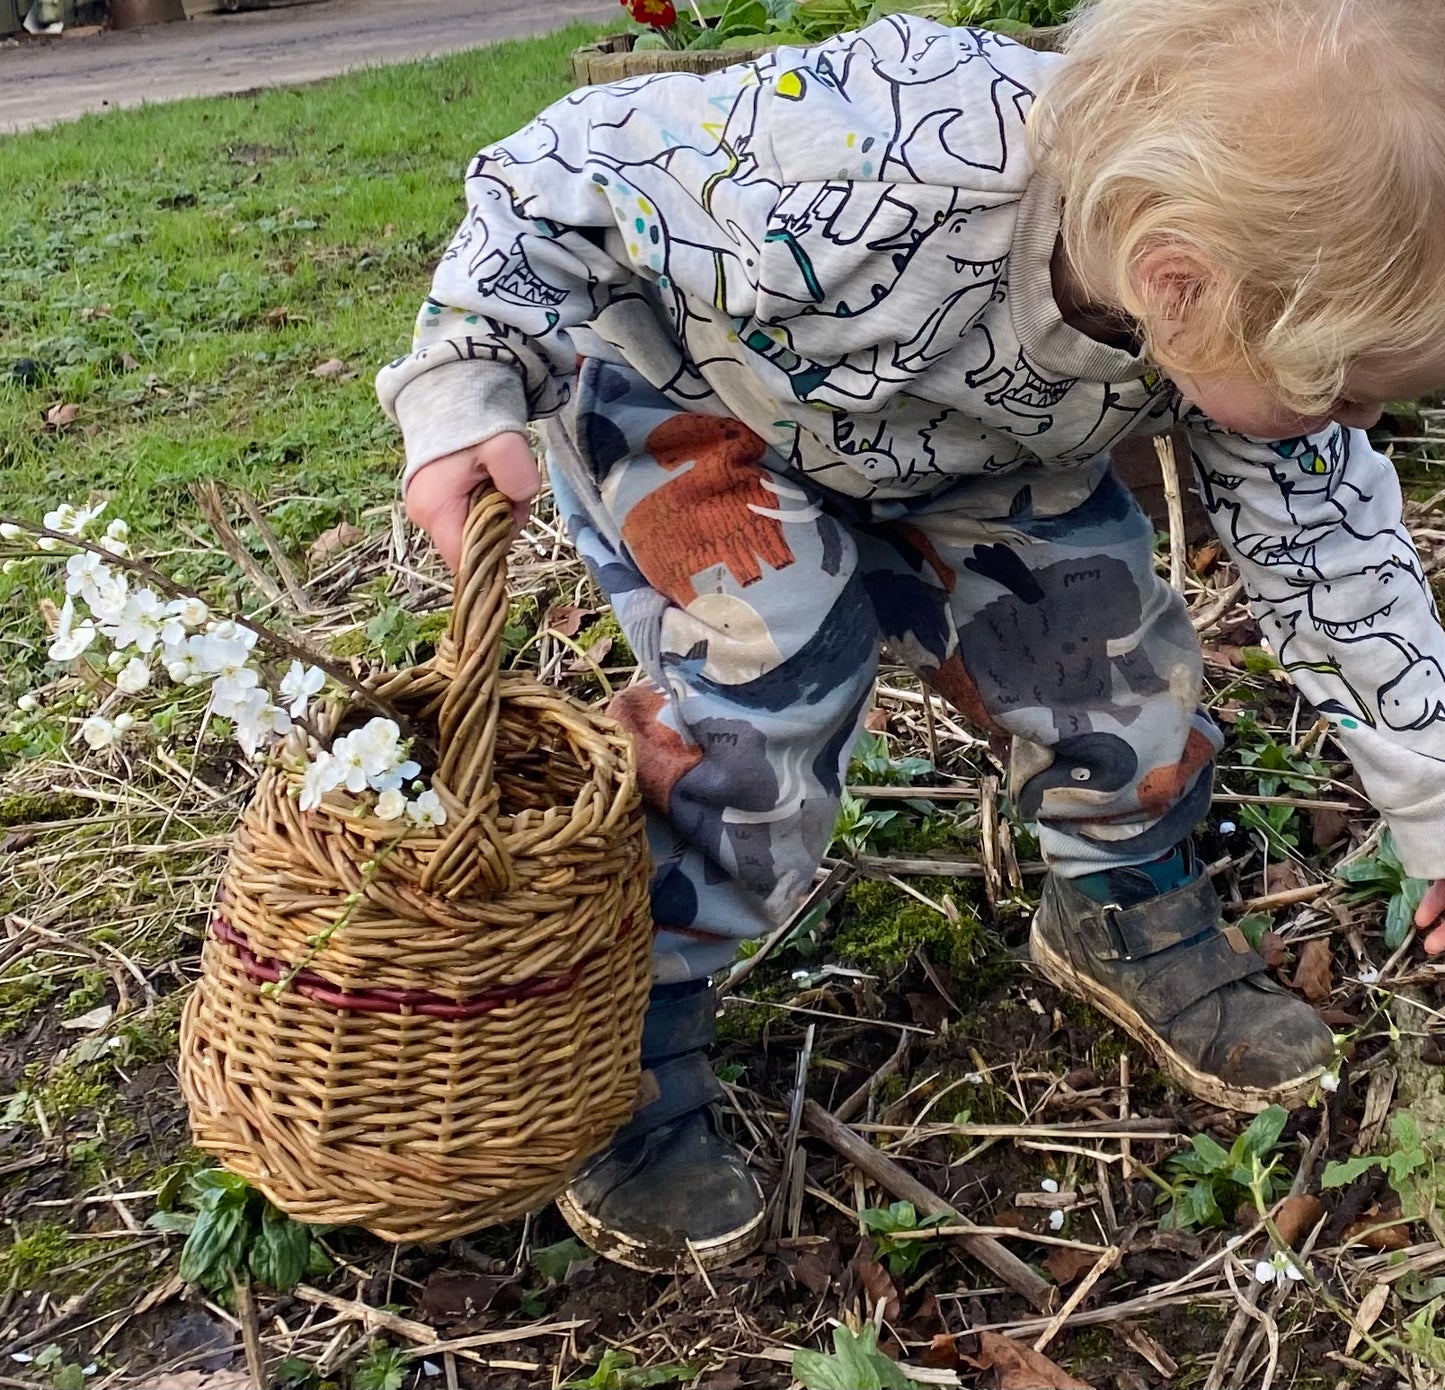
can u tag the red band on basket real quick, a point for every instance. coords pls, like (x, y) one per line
(399, 1001)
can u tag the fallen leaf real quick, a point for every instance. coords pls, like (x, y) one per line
(279, 316)
(59, 416)
(91, 1022)
(1066, 1264)
(566, 618)
(944, 1353)
(1273, 949)
(336, 538)
(331, 369)
(451, 1296)
(1341, 1020)
(128, 363)
(867, 1276)
(17, 840)
(811, 1272)
(1019, 1367)
(876, 721)
(1296, 1218)
(1281, 876)
(1432, 1050)
(1203, 560)
(1312, 975)
(201, 1380)
(597, 653)
(1371, 1231)
(1371, 1306)
(1327, 826)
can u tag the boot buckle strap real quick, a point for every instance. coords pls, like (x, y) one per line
(1134, 933)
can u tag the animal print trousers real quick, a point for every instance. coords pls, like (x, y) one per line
(755, 600)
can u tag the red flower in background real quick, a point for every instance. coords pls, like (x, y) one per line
(659, 14)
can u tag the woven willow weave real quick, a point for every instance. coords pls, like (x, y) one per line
(471, 1031)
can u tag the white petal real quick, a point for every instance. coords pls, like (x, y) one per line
(1264, 1272)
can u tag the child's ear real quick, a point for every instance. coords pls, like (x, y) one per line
(1168, 280)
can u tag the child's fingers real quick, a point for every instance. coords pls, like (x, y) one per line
(1428, 915)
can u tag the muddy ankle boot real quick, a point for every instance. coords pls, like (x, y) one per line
(669, 1193)
(1162, 965)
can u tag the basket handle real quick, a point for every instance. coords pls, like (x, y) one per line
(467, 722)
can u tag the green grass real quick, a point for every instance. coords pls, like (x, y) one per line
(179, 270)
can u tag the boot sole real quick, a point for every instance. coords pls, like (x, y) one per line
(1249, 1099)
(717, 1253)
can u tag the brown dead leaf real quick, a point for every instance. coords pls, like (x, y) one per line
(1327, 826)
(811, 1271)
(928, 1010)
(1371, 1231)
(867, 1277)
(61, 415)
(1203, 560)
(1297, 1217)
(280, 316)
(1273, 949)
(566, 618)
(16, 841)
(333, 369)
(1281, 876)
(944, 1352)
(204, 1380)
(128, 363)
(328, 542)
(1019, 1367)
(1312, 976)
(876, 721)
(452, 1296)
(1066, 1264)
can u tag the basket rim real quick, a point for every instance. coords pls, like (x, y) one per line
(403, 1002)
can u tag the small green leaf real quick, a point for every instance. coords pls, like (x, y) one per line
(176, 1223)
(1341, 1174)
(553, 1261)
(855, 1364)
(1210, 1153)
(68, 1377)
(1264, 1130)
(280, 1251)
(212, 1249)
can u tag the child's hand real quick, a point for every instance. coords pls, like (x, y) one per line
(1432, 908)
(439, 494)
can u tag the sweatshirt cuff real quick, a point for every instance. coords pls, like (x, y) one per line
(1419, 834)
(457, 405)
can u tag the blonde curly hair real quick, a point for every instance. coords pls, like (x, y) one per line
(1295, 148)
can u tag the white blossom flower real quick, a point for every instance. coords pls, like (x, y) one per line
(219, 656)
(227, 630)
(975, 1078)
(394, 778)
(70, 639)
(1330, 1081)
(325, 774)
(123, 722)
(391, 805)
(142, 622)
(9, 531)
(1280, 1266)
(232, 691)
(116, 538)
(192, 612)
(1049, 1185)
(61, 518)
(116, 660)
(299, 684)
(28, 704)
(1056, 1221)
(133, 677)
(257, 720)
(427, 809)
(352, 759)
(99, 732)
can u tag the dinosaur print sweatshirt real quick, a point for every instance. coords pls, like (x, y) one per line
(847, 249)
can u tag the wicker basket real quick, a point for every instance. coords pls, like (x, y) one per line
(471, 1031)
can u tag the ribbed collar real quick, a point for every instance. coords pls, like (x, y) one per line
(1048, 342)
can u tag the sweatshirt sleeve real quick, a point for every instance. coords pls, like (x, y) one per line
(610, 196)
(1314, 525)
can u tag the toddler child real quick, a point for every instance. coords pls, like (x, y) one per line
(833, 344)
